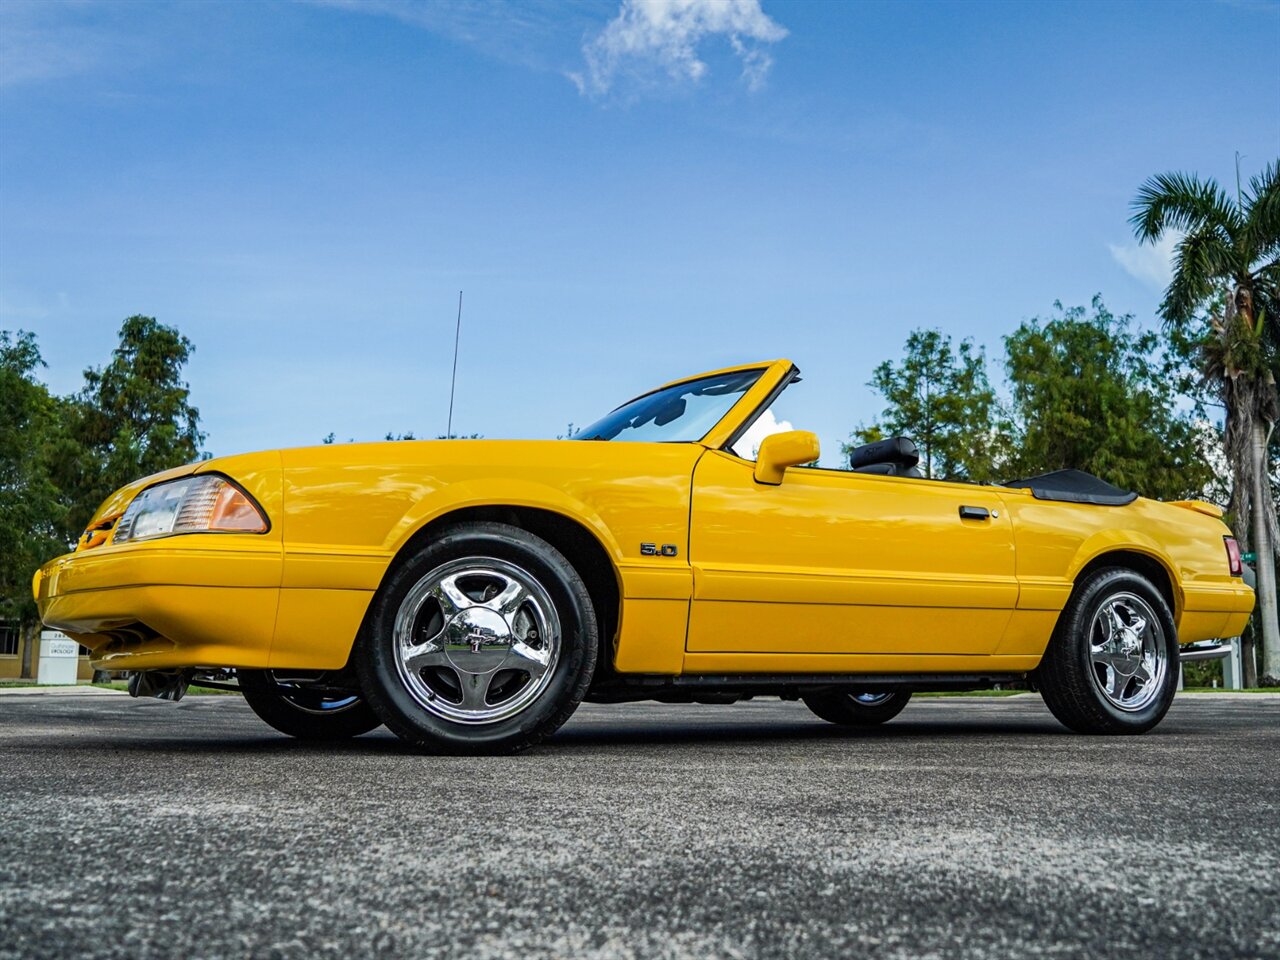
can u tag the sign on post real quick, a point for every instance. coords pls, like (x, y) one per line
(59, 659)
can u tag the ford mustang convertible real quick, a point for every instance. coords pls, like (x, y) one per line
(469, 594)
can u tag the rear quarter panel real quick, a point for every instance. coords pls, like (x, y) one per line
(1055, 541)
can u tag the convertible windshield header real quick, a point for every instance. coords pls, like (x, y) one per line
(681, 413)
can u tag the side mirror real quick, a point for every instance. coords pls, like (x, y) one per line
(781, 450)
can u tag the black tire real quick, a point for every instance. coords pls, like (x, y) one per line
(1070, 681)
(844, 707)
(303, 713)
(400, 693)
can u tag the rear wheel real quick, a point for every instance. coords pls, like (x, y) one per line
(483, 641)
(1112, 664)
(303, 711)
(856, 709)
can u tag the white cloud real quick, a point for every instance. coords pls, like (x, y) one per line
(48, 41)
(665, 35)
(1149, 263)
(536, 34)
(766, 424)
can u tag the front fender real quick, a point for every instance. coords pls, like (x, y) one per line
(349, 510)
(505, 492)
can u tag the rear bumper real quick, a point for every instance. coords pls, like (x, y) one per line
(1216, 612)
(198, 600)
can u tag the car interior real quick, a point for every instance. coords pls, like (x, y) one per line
(894, 457)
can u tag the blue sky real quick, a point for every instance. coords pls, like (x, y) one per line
(626, 194)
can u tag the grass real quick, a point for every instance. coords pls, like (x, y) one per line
(1224, 690)
(971, 693)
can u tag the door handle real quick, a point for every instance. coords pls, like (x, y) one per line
(974, 513)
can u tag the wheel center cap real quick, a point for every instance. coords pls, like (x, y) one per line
(477, 640)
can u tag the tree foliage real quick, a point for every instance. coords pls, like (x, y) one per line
(1224, 299)
(1225, 294)
(1225, 244)
(61, 456)
(943, 400)
(134, 416)
(32, 513)
(1086, 391)
(1090, 392)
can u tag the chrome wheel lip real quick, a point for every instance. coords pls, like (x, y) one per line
(478, 641)
(328, 706)
(1128, 652)
(296, 695)
(870, 699)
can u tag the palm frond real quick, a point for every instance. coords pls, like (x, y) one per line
(1266, 290)
(1262, 221)
(1184, 202)
(1200, 259)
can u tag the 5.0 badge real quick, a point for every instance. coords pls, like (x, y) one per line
(654, 550)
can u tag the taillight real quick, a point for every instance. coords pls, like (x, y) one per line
(1234, 563)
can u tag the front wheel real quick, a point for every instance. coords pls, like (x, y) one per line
(482, 641)
(1112, 663)
(308, 714)
(856, 709)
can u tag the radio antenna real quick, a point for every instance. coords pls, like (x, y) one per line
(453, 383)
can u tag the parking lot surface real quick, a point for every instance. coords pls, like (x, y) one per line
(964, 828)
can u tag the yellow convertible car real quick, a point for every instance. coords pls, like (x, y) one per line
(470, 594)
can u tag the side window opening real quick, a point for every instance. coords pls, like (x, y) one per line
(748, 445)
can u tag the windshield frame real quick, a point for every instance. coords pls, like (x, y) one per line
(774, 376)
(792, 375)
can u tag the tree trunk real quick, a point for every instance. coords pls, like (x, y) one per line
(1266, 561)
(30, 650)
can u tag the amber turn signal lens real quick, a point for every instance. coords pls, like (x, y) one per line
(233, 511)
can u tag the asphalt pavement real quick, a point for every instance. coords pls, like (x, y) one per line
(965, 828)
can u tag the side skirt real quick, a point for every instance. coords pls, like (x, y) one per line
(727, 688)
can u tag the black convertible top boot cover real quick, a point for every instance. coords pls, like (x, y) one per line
(1075, 486)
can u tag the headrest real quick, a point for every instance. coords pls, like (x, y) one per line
(900, 451)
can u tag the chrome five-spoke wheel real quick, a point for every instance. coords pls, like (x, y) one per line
(1127, 651)
(1112, 663)
(476, 640)
(482, 639)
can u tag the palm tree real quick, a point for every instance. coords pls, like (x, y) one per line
(1228, 262)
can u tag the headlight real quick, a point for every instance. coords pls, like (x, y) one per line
(203, 504)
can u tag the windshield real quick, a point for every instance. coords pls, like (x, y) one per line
(681, 413)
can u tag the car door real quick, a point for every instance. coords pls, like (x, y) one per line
(831, 562)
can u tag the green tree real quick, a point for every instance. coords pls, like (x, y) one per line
(133, 418)
(1228, 254)
(943, 400)
(32, 514)
(1091, 393)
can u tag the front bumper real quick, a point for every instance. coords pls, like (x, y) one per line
(186, 601)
